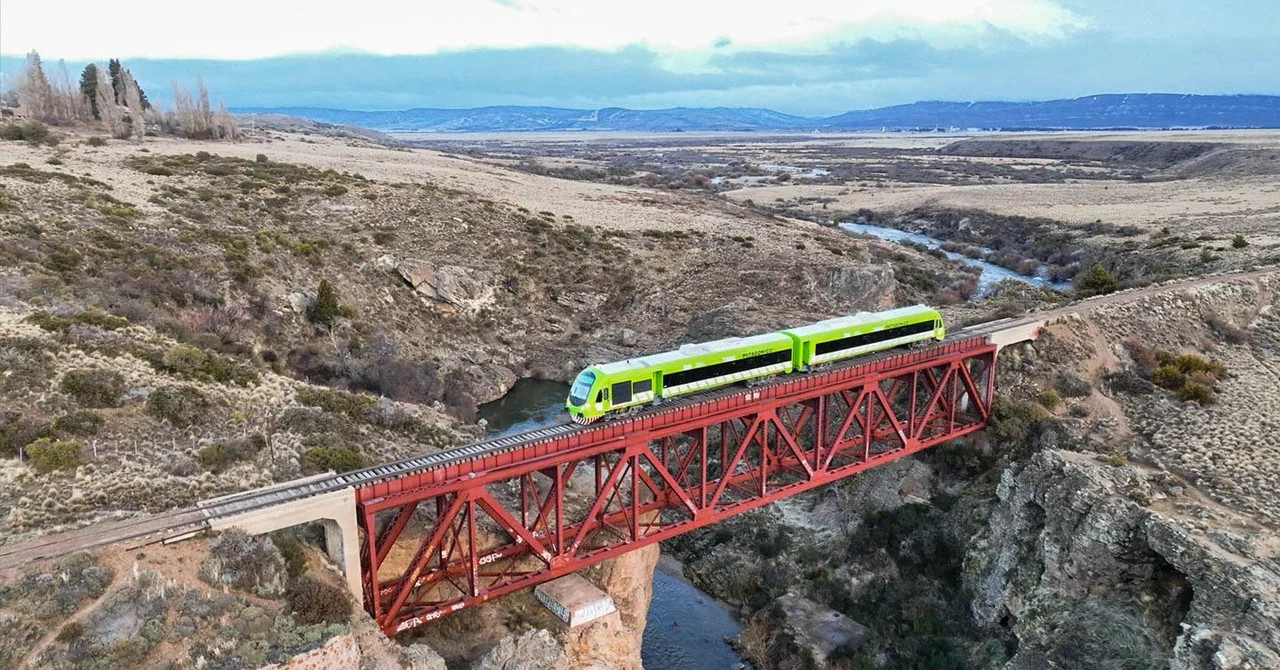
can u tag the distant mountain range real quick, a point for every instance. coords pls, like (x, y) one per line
(1146, 110)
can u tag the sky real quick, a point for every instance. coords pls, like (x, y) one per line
(808, 57)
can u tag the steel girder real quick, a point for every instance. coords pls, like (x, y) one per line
(437, 542)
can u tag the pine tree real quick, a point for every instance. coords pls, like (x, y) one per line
(89, 87)
(117, 87)
(326, 308)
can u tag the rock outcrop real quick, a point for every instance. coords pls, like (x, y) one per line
(613, 642)
(1069, 542)
(463, 288)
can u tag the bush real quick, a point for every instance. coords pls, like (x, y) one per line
(71, 632)
(49, 456)
(31, 131)
(83, 423)
(1095, 281)
(334, 190)
(185, 360)
(261, 158)
(1050, 398)
(96, 142)
(1073, 386)
(1089, 633)
(179, 405)
(218, 456)
(93, 387)
(1169, 376)
(17, 432)
(313, 601)
(245, 562)
(354, 406)
(338, 459)
(295, 556)
(1197, 392)
(1238, 242)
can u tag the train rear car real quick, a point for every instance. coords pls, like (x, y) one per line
(863, 333)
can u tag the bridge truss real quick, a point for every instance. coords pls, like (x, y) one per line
(437, 541)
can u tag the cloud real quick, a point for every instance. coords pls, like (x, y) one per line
(244, 29)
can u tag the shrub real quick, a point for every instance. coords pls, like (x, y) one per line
(335, 190)
(31, 131)
(295, 556)
(1197, 392)
(353, 405)
(1095, 281)
(1169, 376)
(1050, 398)
(1229, 332)
(1073, 386)
(96, 142)
(71, 632)
(93, 387)
(185, 360)
(1238, 242)
(83, 423)
(241, 561)
(1143, 355)
(338, 459)
(17, 432)
(219, 455)
(261, 158)
(1089, 633)
(313, 601)
(179, 405)
(49, 456)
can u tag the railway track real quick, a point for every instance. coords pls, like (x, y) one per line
(149, 529)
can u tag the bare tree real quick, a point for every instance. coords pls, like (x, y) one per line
(34, 92)
(196, 118)
(110, 112)
(133, 100)
(227, 129)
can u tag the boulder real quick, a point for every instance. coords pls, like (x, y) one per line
(466, 289)
(535, 650)
(819, 630)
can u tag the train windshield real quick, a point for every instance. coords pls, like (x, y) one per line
(581, 387)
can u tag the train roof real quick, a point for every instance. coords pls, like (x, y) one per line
(861, 319)
(687, 351)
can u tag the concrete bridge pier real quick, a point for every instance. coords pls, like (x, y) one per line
(336, 510)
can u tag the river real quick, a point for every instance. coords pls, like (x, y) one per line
(992, 274)
(686, 628)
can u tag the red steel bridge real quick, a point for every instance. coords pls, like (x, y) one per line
(428, 536)
(520, 511)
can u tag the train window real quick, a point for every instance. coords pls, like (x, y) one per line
(643, 386)
(621, 393)
(873, 337)
(726, 368)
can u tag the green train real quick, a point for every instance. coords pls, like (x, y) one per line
(602, 389)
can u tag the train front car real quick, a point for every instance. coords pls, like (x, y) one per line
(583, 403)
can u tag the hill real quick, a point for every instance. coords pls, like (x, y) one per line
(1154, 110)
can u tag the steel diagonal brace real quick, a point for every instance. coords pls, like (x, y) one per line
(420, 561)
(517, 532)
(666, 476)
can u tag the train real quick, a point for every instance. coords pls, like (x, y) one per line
(623, 386)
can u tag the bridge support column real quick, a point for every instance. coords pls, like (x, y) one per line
(335, 509)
